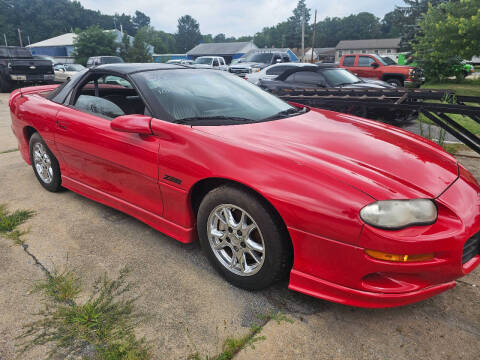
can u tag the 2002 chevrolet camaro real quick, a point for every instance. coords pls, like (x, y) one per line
(355, 211)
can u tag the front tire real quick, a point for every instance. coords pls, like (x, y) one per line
(395, 82)
(242, 238)
(44, 164)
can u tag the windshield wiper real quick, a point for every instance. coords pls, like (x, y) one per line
(203, 118)
(286, 113)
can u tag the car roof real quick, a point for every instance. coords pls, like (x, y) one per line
(129, 68)
(313, 68)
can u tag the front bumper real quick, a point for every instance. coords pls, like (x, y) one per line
(343, 273)
(414, 83)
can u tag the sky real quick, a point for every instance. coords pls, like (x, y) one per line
(234, 17)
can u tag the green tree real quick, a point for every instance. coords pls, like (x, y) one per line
(219, 38)
(448, 31)
(188, 33)
(94, 42)
(139, 52)
(140, 20)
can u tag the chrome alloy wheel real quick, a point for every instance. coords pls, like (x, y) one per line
(236, 240)
(43, 163)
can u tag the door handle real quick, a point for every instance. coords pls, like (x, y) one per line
(62, 124)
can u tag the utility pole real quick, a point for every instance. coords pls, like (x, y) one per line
(313, 37)
(20, 37)
(303, 35)
(28, 37)
(5, 37)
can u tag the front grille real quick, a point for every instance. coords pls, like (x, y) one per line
(239, 71)
(471, 248)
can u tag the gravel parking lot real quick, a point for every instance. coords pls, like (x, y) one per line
(193, 309)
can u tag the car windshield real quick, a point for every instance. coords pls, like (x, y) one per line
(19, 52)
(388, 61)
(204, 61)
(265, 58)
(337, 77)
(207, 98)
(74, 67)
(111, 60)
(379, 59)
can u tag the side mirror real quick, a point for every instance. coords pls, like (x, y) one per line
(374, 65)
(62, 69)
(134, 124)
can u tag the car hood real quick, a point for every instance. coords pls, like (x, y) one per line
(380, 160)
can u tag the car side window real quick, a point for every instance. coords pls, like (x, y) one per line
(365, 61)
(348, 60)
(310, 78)
(276, 70)
(215, 62)
(108, 97)
(286, 58)
(58, 67)
(276, 58)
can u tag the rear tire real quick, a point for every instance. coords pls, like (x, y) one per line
(242, 238)
(44, 164)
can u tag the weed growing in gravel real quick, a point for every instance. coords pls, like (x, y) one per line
(233, 346)
(101, 328)
(10, 221)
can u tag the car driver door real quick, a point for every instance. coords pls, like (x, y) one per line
(99, 160)
(365, 68)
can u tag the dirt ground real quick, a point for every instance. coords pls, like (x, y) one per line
(192, 308)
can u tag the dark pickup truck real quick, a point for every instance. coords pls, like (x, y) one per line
(19, 68)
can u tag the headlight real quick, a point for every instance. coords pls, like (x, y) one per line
(252, 70)
(396, 214)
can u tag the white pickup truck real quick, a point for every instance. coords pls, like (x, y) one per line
(213, 62)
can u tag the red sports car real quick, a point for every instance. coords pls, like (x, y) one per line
(354, 211)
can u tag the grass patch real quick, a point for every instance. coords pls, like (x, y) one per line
(100, 328)
(10, 221)
(464, 88)
(234, 345)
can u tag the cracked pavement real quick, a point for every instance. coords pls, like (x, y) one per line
(192, 308)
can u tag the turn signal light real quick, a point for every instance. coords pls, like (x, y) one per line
(398, 258)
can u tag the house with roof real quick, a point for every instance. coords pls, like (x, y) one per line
(228, 50)
(62, 46)
(383, 47)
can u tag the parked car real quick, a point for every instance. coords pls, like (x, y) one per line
(355, 211)
(374, 67)
(272, 71)
(19, 68)
(210, 62)
(258, 60)
(101, 60)
(313, 76)
(64, 72)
